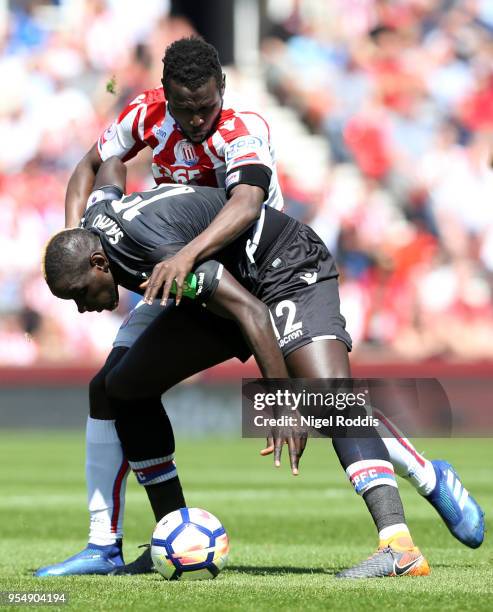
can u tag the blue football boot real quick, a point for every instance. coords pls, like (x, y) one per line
(94, 559)
(459, 510)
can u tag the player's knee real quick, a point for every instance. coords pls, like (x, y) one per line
(256, 312)
(120, 386)
(338, 364)
(261, 310)
(124, 382)
(124, 385)
(338, 371)
(98, 401)
(145, 430)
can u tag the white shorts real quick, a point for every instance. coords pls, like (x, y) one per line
(137, 320)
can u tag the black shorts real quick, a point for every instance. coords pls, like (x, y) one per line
(299, 284)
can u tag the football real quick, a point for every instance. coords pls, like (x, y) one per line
(189, 544)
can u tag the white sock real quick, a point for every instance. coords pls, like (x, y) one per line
(406, 460)
(106, 476)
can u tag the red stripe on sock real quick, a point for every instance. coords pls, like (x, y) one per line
(117, 487)
(396, 433)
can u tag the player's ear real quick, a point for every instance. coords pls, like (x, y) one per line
(99, 260)
(223, 85)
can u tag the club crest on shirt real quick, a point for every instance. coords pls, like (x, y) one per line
(185, 153)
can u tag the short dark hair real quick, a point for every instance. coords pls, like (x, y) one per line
(65, 256)
(191, 62)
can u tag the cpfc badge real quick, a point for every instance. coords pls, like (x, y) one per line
(185, 153)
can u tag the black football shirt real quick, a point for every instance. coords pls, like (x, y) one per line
(141, 229)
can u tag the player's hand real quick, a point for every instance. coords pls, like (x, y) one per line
(175, 268)
(295, 439)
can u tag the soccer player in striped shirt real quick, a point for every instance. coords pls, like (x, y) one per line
(195, 140)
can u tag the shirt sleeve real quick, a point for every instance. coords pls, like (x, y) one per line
(247, 152)
(107, 192)
(247, 143)
(124, 138)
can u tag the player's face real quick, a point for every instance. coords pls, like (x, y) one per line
(100, 293)
(196, 112)
(95, 292)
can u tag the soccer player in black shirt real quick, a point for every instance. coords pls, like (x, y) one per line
(195, 141)
(293, 275)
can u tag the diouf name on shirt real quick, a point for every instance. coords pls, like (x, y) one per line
(109, 227)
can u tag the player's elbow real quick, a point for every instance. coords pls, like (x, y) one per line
(254, 212)
(249, 200)
(115, 164)
(90, 162)
(249, 214)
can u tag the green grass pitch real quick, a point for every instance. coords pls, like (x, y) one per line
(288, 535)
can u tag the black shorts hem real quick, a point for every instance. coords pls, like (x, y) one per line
(317, 338)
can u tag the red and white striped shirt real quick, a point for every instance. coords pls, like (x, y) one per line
(240, 138)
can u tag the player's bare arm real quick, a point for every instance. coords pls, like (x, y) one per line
(241, 211)
(80, 185)
(112, 172)
(233, 301)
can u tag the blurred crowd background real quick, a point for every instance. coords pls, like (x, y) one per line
(400, 92)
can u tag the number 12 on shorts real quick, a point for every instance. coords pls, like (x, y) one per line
(292, 329)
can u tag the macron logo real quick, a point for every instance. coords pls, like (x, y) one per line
(309, 277)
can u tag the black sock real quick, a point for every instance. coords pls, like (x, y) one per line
(385, 506)
(383, 501)
(165, 497)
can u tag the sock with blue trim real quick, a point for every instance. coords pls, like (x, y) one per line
(160, 479)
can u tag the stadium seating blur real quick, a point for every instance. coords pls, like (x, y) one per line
(390, 103)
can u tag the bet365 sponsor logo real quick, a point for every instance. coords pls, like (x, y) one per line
(180, 175)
